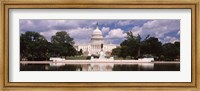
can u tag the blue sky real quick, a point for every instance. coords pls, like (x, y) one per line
(114, 31)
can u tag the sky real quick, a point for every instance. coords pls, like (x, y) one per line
(114, 31)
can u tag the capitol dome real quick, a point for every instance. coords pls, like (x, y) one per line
(97, 35)
(97, 31)
(96, 44)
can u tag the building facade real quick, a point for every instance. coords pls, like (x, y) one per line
(94, 47)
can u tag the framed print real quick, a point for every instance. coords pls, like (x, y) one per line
(100, 45)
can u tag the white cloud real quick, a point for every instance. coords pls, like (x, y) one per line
(81, 35)
(49, 34)
(81, 30)
(105, 30)
(168, 39)
(158, 28)
(116, 33)
(136, 30)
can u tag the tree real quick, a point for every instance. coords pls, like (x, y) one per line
(116, 51)
(139, 42)
(132, 44)
(124, 52)
(135, 47)
(61, 38)
(63, 44)
(80, 52)
(129, 47)
(171, 51)
(69, 50)
(33, 46)
(177, 45)
(152, 46)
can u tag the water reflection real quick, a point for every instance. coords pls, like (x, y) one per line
(97, 67)
(102, 67)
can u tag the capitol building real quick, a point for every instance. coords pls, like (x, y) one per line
(94, 47)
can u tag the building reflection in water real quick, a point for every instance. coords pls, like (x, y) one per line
(101, 67)
(109, 66)
(146, 66)
(97, 67)
(117, 67)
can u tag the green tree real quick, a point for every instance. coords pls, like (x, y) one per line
(132, 44)
(171, 51)
(33, 46)
(139, 42)
(152, 46)
(135, 47)
(124, 52)
(116, 51)
(61, 38)
(62, 45)
(177, 45)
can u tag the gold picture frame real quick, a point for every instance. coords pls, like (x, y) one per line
(144, 86)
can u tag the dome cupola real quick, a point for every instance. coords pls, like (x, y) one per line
(97, 35)
(97, 31)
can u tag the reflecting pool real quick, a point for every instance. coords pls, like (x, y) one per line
(102, 67)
